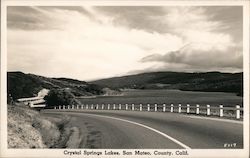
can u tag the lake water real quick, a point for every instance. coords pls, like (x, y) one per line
(168, 97)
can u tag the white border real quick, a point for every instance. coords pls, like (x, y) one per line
(227, 153)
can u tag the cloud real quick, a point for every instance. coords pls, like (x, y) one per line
(137, 17)
(172, 18)
(200, 57)
(204, 47)
(81, 47)
(180, 20)
(39, 18)
(96, 42)
(26, 18)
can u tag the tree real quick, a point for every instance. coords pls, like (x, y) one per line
(60, 97)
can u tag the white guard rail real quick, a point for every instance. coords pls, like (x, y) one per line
(221, 111)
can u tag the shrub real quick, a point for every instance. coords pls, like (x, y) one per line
(60, 97)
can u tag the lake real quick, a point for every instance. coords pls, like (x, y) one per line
(168, 97)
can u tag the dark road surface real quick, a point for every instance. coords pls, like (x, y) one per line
(151, 130)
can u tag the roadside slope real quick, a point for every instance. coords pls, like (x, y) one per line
(28, 128)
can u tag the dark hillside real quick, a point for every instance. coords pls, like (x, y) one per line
(21, 85)
(208, 81)
(27, 85)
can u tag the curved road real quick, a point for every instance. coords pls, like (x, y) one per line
(151, 130)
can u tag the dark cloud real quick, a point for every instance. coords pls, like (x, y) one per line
(137, 17)
(153, 18)
(78, 9)
(231, 17)
(130, 11)
(29, 18)
(17, 17)
(196, 58)
(26, 18)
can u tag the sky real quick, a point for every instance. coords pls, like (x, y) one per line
(94, 42)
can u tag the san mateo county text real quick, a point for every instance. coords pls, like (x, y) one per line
(138, 152)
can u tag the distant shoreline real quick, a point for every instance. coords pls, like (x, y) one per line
(86, 97)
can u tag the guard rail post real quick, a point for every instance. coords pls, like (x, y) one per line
(171, 108)
(208, 110)
(179, 110)
(197, 109)
(148, 107)
(237, 112)
(164, 108)
(221, 110)
(188, 108)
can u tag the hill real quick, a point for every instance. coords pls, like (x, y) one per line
(27, 85)
(208, 81)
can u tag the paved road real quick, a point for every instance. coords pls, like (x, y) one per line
(126, 129)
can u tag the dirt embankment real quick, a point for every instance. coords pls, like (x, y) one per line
(28, 128)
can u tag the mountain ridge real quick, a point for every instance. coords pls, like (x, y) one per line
(199, 81)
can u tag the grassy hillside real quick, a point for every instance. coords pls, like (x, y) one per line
(209, 81)
(27, 128)
(26, 85)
